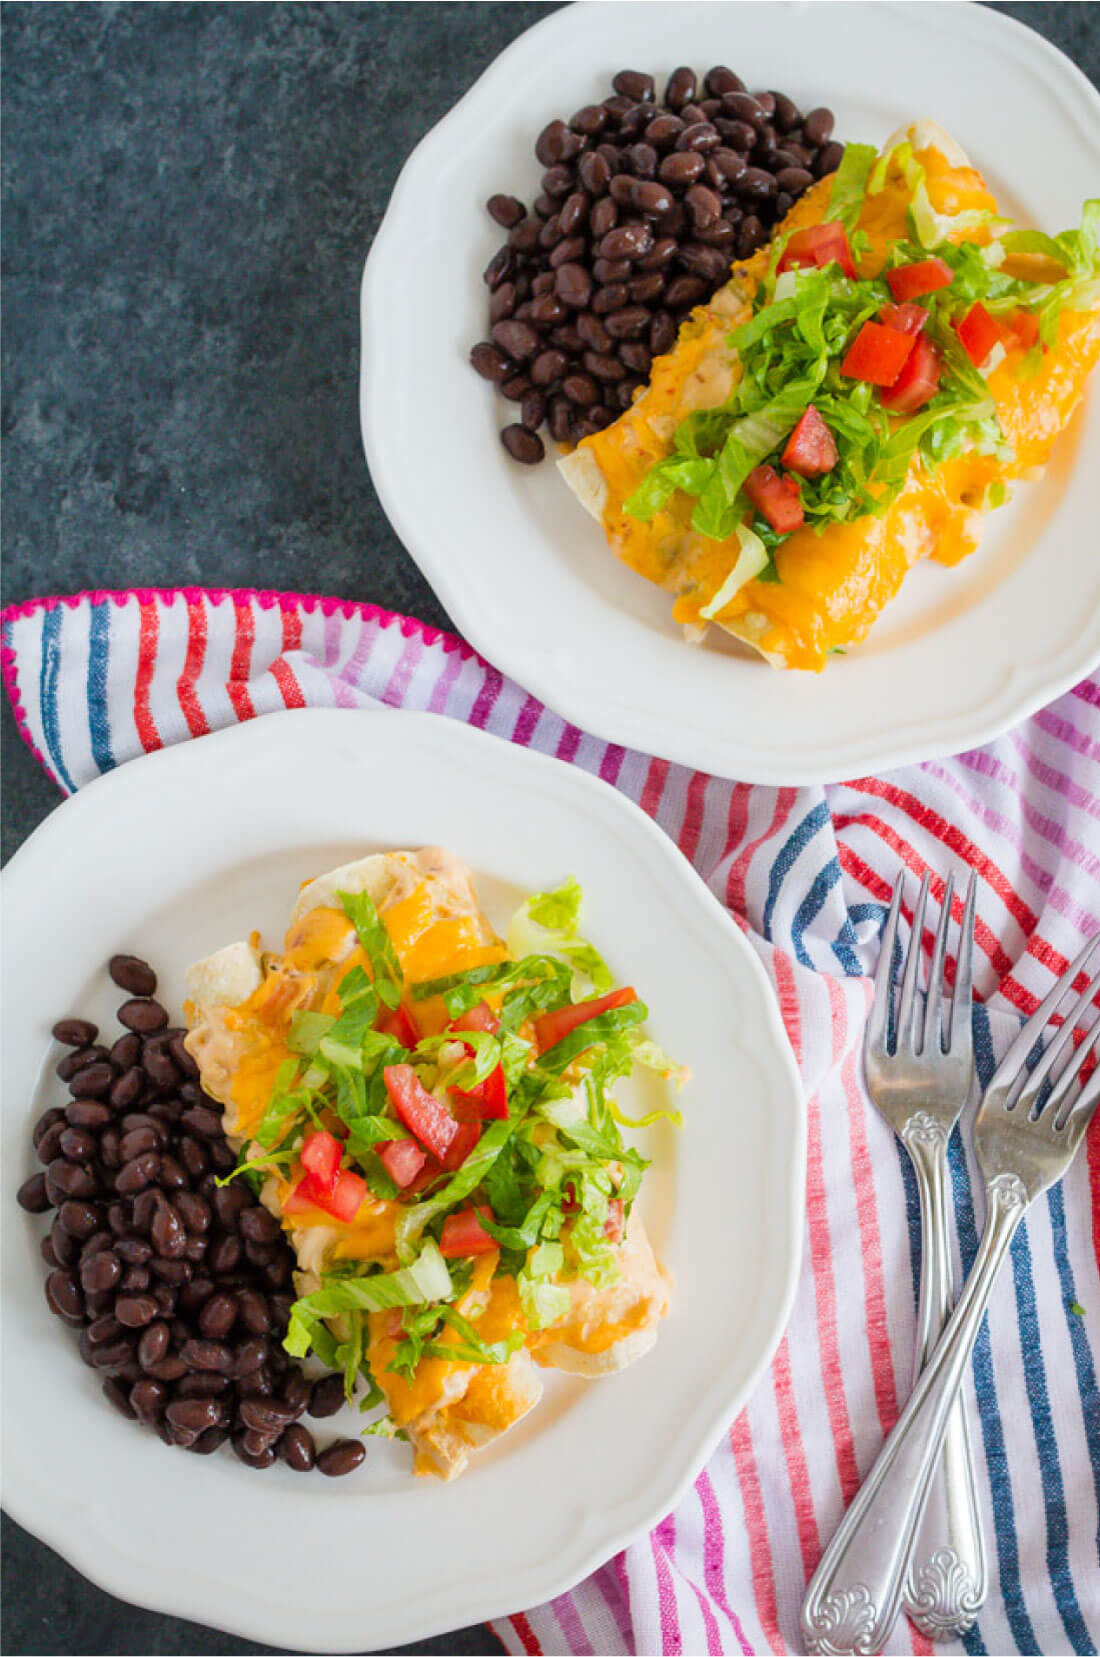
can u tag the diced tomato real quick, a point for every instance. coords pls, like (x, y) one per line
(569, 1203)
(550, 1028)
(877, 354)
(978, 333)
(1022, 330)
(907, 281)
(419, 1110)
(304, 1196)
(344, 1200)
(428, 1175)
(907, 319)
(810, 449)
(321, 1154)
(778, 498)
(480, 1017)
(398, 1023)
(613, 1225)
(462, 1234)
(402, 1160)
(487, 1102)
(918, 381)
(341, 1199)
(817, 245)
(461, 1145)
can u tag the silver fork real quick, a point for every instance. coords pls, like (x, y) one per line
(921, 1086)
(1029, 1125)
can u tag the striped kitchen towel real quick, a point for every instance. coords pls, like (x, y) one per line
(805, 872)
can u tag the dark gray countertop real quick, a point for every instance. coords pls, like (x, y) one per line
(189, 192)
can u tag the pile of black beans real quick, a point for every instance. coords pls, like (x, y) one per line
(643, 211)
(181, 1289)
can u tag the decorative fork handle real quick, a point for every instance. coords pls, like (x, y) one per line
(855, 1593)
(947, 1580)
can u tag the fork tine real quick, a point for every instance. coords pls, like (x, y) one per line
(1033, 1029)
(963, 997)
(907, 1002)
(1060, 1092)
(934, 999)
(1053, 1051)
(878, 1021)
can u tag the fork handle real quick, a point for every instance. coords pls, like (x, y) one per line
(947, 1579)
(854, 1595)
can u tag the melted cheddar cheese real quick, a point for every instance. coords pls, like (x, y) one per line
(832, 583)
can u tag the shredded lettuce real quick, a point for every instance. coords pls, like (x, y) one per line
(425, 1278)
(850, 184)
(548, 924)
(377, 944)
(751, 560)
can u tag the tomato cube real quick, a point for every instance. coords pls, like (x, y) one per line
(344, 1200)
(778, 499)
(462, 1234)
(925, 276)
(918, 381)
(321, 1153)
(398, 1023)
(550, 1028)
(907, 319)
(419, 1110)
(480, 1017)
(613, 1225)
(461, 1145)
(402, 1159)
(811, 448)
(815, 246)
(1022, 331)
(877, 354)
(978, 333)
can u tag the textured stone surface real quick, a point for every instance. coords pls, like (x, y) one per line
(189, 192)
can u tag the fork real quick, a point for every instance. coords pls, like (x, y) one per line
(921, 1087)
(1031, 1120)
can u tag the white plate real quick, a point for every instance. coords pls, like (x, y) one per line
(191, 848)
(524, 571)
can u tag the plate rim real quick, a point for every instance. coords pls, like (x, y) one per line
(112, 1565)
(1016, 696)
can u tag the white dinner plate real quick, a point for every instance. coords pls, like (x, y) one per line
(526, 573)
(191, 848)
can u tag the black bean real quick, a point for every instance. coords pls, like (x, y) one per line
(793, 180)
(620, 189)
(218, 1316)
(659, 255)
(295, 1391)
(137, 1311)
(327, 1397)
(558, 419)
(137, 1174)
(573, 286)
(194, 1156)
(627, 241)
(118, 1394)
(532, 410)
(200, 1118)
(633, 84)
(263, 1415)
(610, 298)
(73, 1178)
(720, 80)
(48, 1252)
(94, 1081)
(750, 236)
(524, 238)
(148, 1399)
(64, 1296)
(581, 389)
(73, 1063)
(721, 235)
(549, 236)
(506, 210)
(604, 367)
(567, 252)
(662, 333)
(828, 159)
(111, 1354)
(49, 1119)
(681, 168)
(142, 1015)
(594, 173)
(297, 1448)
(636, 356)
(548, 366)
(523, 445)
(681, 88)
(684, 291)
(194, 1414)
(225, 1255)
(74, 1032)
(135, 1251)
(32, 1195)
(170, 1368)
(100, 1273)
(154, 1342)
(250, 1356)
(259, 1226)
(756, 184)
(818, 126)
(593, 332)
(519, 341)
(344, 1455)
(172, 1176)
(128, 1089)
(260, 1460)
(133, 975)
(175, 1272)
(651, 198)
(628, 323)
(135, 1280)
